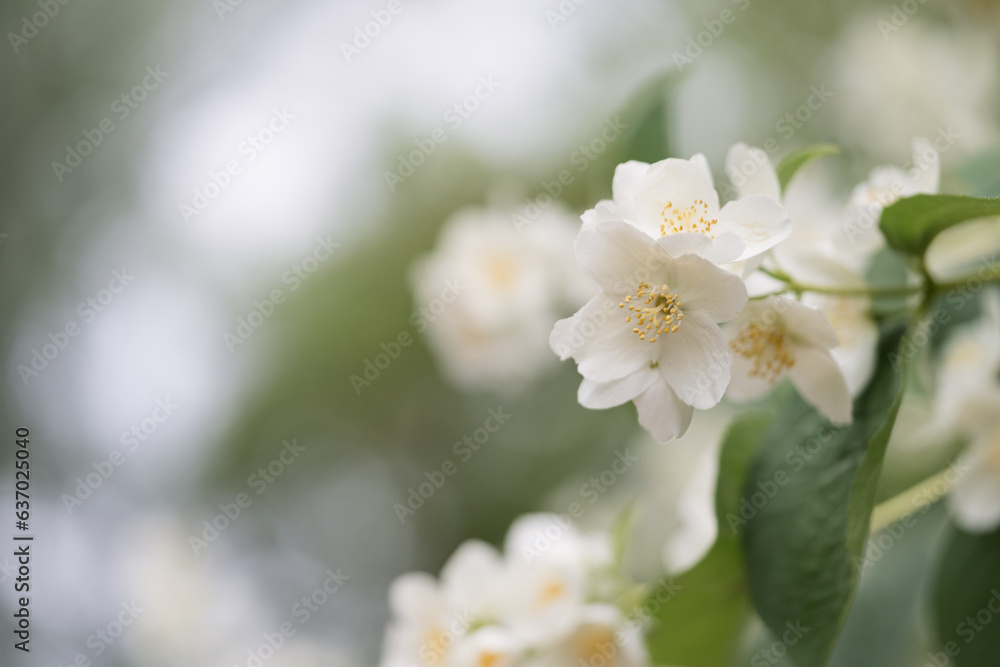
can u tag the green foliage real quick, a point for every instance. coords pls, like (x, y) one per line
(701, 623)
(910, 224)
(792, 162)
(816, 487)
(966, 599)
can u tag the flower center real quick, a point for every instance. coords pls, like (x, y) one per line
(687, 219)
(768, 348)
(658, 311)
(488, 659)
(552, 591)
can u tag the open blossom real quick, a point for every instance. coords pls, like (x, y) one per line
(542, 602)
(886, 185)
(677, 198)
(489, 293)
(815, 253)
(777, 337)
(651, 334)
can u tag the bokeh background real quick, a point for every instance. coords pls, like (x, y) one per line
(226, 69)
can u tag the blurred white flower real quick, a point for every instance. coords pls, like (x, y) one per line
(677, 198)
(897, 82)
(815, 253)
(489, 293)
(779, 336)
(886, 185)
(650, 335)
(975, 498)
(970, 363)
(544, 602)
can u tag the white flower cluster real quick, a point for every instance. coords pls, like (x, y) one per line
(488, 295)
(547, 601)
(670, 265)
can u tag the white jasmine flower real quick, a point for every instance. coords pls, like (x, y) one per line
(601, 638)
(490, 292)
(778, 336)
(430, 617)
(650, 335)
(677, 198)
(815, 253)
(975, 498)
(886, 185)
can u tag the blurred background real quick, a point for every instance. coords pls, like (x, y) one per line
(200, 246)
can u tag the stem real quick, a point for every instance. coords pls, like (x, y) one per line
(913, 499)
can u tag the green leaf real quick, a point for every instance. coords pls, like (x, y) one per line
(966, 599)
(811, 492)
(792, 162)
(701, 622)
(910, 224)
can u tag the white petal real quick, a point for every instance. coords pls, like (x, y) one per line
(601, 341)
(679, 183)
(617, 255)
(471, 577)
(805, 324)
(821, 383)
(602, 395)
(414, 595)
(627, 177)
(723, 249)
(975, 499)
(661, 413)
(750, 171)
(746, 387)
(605, 211)
(761, 223)
(706, 288)
(926, 166)
(695, 361)
(700, 161)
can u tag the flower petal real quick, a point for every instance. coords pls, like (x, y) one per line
(627, 177)
(602, 395)
(695, 361)
(805, 324)
(706, 288)
(679, 184)
(662, 413)
(750, 171)
(723, 249)
(600, 340)
(617, 256)
(759, 222)
(746, 387)
(975, 499)
(821, 383)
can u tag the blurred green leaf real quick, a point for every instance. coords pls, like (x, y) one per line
(792, 162)
(700, 626)
(910, 224)
(816, 484)
(966, 599)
